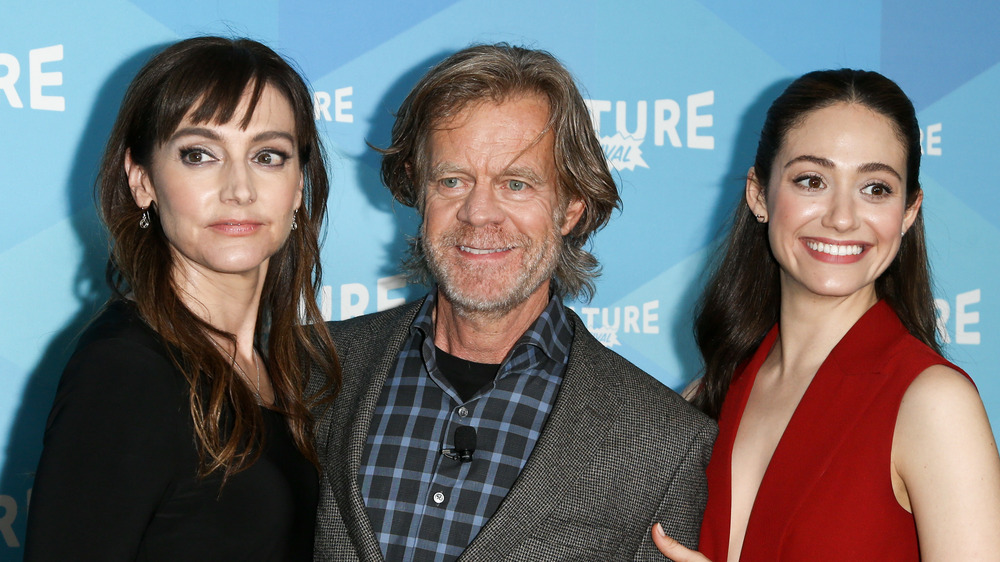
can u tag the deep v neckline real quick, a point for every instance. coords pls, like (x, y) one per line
(829, 471)
(798, 431)
(745, 388)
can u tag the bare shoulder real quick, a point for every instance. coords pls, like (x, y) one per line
(941, 415)
(945, 467)
(941, 407)
(942, 378)
(939, 387)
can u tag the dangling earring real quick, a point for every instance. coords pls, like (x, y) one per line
(295, 222)
(144, 219)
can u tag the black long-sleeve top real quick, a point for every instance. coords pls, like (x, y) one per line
(118, 475)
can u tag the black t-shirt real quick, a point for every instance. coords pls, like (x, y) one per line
(466, 376)
(118, 475)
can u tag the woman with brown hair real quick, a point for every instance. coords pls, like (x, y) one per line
(843, 432)
(180, 430)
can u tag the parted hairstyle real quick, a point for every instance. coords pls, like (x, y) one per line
(495, 74)
(742, 299)
(206, 78)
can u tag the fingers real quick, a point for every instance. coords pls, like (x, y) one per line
(673, 549)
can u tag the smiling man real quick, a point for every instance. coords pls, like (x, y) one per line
(485, 422)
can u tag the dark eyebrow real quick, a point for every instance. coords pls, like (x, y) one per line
(879, 167)
(210, 134)
(269, 135)
(809, 158)
(864, 168)
(195, 132)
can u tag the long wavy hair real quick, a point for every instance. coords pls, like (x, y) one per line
(206, 78)
(742, 299)
(497, 73)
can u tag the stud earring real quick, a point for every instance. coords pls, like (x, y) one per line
(295, 221)
(760, 218)
(144, 219)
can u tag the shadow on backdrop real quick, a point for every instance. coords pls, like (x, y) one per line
(369, 172)
(24, 444)
(731, 200)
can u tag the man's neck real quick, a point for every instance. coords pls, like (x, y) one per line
(485, 337)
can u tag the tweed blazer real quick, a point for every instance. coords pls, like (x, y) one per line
(618, 452)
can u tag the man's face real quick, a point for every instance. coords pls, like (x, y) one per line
(493, 220)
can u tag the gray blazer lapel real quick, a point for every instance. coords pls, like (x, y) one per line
(367, 357)
(584, 412)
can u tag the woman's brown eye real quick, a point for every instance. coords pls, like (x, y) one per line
(193, 156)
(815, 183)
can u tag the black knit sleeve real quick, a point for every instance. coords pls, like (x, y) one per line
(117, 427)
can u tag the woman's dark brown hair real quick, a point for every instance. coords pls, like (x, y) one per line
(742, 299)
(206, 78)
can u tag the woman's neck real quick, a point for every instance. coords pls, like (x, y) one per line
(228, 302)
(812, 325)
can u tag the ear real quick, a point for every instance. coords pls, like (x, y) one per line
(910, 214)
(139, 182)
(298, 194)
(574, 210)
(755, 194)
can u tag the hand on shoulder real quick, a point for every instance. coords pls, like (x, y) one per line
(691, 390)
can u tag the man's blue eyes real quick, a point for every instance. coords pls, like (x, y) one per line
(513, 185)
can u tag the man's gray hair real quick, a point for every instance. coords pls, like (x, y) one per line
(497, 73)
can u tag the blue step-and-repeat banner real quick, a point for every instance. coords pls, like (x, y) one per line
(678, 89)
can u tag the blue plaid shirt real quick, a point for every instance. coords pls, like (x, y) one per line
(422, 504)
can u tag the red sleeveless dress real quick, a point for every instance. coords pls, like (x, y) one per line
(827, 492)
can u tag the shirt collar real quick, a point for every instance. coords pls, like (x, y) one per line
(552, 331)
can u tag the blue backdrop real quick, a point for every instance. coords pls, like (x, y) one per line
(677, 88)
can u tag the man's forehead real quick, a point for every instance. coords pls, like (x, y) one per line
(460, 113)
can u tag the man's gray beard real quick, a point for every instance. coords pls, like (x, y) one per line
(527, 281)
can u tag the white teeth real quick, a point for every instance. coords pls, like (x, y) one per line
(835, 249)
(480, 252)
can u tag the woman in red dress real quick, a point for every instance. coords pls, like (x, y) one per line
(843, 433)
